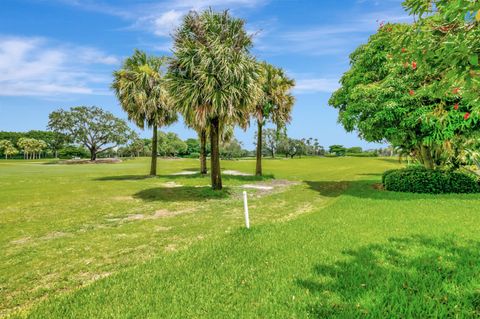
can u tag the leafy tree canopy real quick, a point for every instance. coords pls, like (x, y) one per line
(92, 127)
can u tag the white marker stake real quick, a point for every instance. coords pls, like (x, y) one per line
(245, 206)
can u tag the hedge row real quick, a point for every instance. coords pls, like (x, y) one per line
(422, 180)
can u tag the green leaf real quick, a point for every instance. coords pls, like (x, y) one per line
(474, 59)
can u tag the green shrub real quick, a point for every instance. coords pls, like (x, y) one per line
(364, 154)
(193, 155)
(418, 179)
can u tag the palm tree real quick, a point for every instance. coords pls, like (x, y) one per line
(139, 86)
(275, 104)
(213, 76)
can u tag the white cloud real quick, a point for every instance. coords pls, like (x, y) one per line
(166, 22)
(33, 66)
(316, 85)
(161, 17)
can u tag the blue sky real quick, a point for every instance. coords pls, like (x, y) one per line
(61, 53)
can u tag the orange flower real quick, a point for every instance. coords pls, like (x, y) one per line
(456, 106)
(414, 65)
(466, 116)
(412, 92)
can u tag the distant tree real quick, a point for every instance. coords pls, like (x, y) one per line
(140, 88)
(213, 72)
(338, 150)
(193, 146)
(137, 146)
(54, 140)
(11, 136)
(169, 144)
(275, 103)
(317, 148)
(72, 151)
(271, 140)
(31, 147)
(92, 127)
(232, 149)
(8, 148)
(355, 149)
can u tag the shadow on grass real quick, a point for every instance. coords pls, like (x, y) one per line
(183, 193)
(328, 188)
(417, 277)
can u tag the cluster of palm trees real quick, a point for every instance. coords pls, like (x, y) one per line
(212, 80)
(32, 148)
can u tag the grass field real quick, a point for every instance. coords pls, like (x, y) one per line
(105, 241)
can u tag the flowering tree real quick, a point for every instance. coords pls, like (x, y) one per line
(409, 86)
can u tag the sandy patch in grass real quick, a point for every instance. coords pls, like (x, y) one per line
(161, 213)
(21, 241)
(261, 187)
(165, 213)
(171, 247)
(54, 235)
(123, 198)
(236, 173)
(162, 228)
(275, 185)
(185, 173)
(171, 185)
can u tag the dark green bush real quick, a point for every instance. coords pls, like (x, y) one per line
(420, 180)
(193, 155)
(363, 154)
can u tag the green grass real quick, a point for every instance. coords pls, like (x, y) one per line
(328, 246)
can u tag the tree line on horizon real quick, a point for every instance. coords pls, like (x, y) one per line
(48, 144)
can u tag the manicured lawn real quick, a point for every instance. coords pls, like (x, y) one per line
(327, 245)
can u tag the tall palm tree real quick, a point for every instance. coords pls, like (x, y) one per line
(213, 75)
(140, 89)
(275, 103)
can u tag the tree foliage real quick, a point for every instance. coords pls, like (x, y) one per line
(400, 90)
(92, 127)
(140, 88)
(7, 148)
(213, 76)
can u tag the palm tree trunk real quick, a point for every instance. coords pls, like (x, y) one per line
(203, 151)
(258, 170)
(153, 166)
(215, 154)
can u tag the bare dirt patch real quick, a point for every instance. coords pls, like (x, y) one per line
(171, 247)
(54, 235)
(378, 186)
(87, 161)
(185, 173)
(161, 213)
(171, 185)
(276, 185)
(235, 173)
(165, 213)
(21, 241)
(123, 198)
(162, 228)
